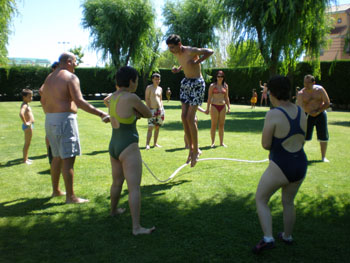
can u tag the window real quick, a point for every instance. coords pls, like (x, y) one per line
(339, 21)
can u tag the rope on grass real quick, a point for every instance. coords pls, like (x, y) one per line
(199, 160)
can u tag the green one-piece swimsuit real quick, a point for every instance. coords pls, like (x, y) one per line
(125, 135)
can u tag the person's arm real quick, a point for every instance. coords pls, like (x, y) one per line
(326, 102)
(141, 109)
(22, 112)
(261, 86)
(202, 53)
(210, 94)
(268, 130)
(300, 100)
(176, 69)
(147, 97)
(227, 99)
(107, 100)
(161, 97)
(77, 97)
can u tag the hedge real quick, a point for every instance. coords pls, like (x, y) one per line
(335, 78)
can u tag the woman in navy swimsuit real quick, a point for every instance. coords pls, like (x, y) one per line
(284, 136)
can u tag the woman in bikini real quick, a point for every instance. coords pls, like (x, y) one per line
(124, 110)
(284, 136)
(218, 99)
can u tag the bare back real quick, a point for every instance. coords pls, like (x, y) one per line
(58, 91)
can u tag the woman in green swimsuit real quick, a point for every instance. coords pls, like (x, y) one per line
(124, 110)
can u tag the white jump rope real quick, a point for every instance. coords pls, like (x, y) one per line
(199, 160)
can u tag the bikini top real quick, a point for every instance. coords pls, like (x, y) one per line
(293, 123)
(112, 111)
(216, 90)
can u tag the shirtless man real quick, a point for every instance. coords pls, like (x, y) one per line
(192, 88)
(61, 97)
(264, 93)
(314, 100)
(154, 102)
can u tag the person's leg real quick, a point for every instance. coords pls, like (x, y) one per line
(222, 117)
(68, 176)
(271, 180)
(192, 125)
(149, 136)
(288, 194)
(214, 115)
(116, 187)
(261, 100)
(323, 146)
(156, 134)
(132, 169)
(27, 139)
(56, 165)
(188, 139)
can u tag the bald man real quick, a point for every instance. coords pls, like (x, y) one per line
(61, 98)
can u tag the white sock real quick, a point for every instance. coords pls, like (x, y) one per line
(287, 238)
(269, 239)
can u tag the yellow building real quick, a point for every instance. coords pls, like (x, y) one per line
(339, 48)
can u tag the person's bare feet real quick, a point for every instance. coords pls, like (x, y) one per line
(212, 146)
(76, 200)
(143, 231)
(118, 212)
(147, 147)
(223, 145)
(194, 158)
(157, 145)
(58, 193)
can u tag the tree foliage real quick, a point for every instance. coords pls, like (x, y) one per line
(119, 28)
(166, 60)
(245, 55)
(193, 20)
(284, 29)
(7, 9)
(79, 54)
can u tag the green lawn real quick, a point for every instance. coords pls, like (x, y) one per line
(205, 214)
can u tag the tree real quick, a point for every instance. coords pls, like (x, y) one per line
(77, 51)
(120, 28)
(193, 20)
(245, 55)
(283, 29)
(167, 60)
(7, 9)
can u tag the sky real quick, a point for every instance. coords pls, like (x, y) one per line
(46, 28)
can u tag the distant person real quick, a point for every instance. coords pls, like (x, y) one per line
(254, 98)
(284, 136)
(192, 88)
(153, 98)
(218, 99)
(125, 108)
(264, 93)
(314, 100)
(49, 152)
(61, 97)
(27, 117)
(168, 94)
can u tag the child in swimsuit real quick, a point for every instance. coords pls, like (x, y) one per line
(124, 109)
(254, 99)
(27, 118)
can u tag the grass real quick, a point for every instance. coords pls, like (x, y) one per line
(206, 214)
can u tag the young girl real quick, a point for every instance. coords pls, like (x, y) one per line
(254, 99)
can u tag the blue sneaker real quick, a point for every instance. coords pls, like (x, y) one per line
(262, 245)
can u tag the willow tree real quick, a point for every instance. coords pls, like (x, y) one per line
(120, 28)
(284, 29)
(193, 20)
(7, 9)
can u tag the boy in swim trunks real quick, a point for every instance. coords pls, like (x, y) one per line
(27, 118)
(192, 88)
(154, 102)
(314, 100)
(168, 94)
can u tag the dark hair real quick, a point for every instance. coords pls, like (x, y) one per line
(54, 65)
(124, 75)
(155, 74)
(66, 56)
(26, 92)
(173, 39)
(310, 77)
(279, 87)
(221, 73)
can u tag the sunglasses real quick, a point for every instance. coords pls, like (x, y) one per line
(219, 76)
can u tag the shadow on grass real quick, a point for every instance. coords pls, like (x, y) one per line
(311, 162)
(172, 107)
(340, 123)
(221, 229)
(48, 171)
(24, 206)
(98, 104)
(205, 148)
(96, 152)
(20, 160)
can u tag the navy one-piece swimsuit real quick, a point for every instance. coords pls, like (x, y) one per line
(293, 165)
